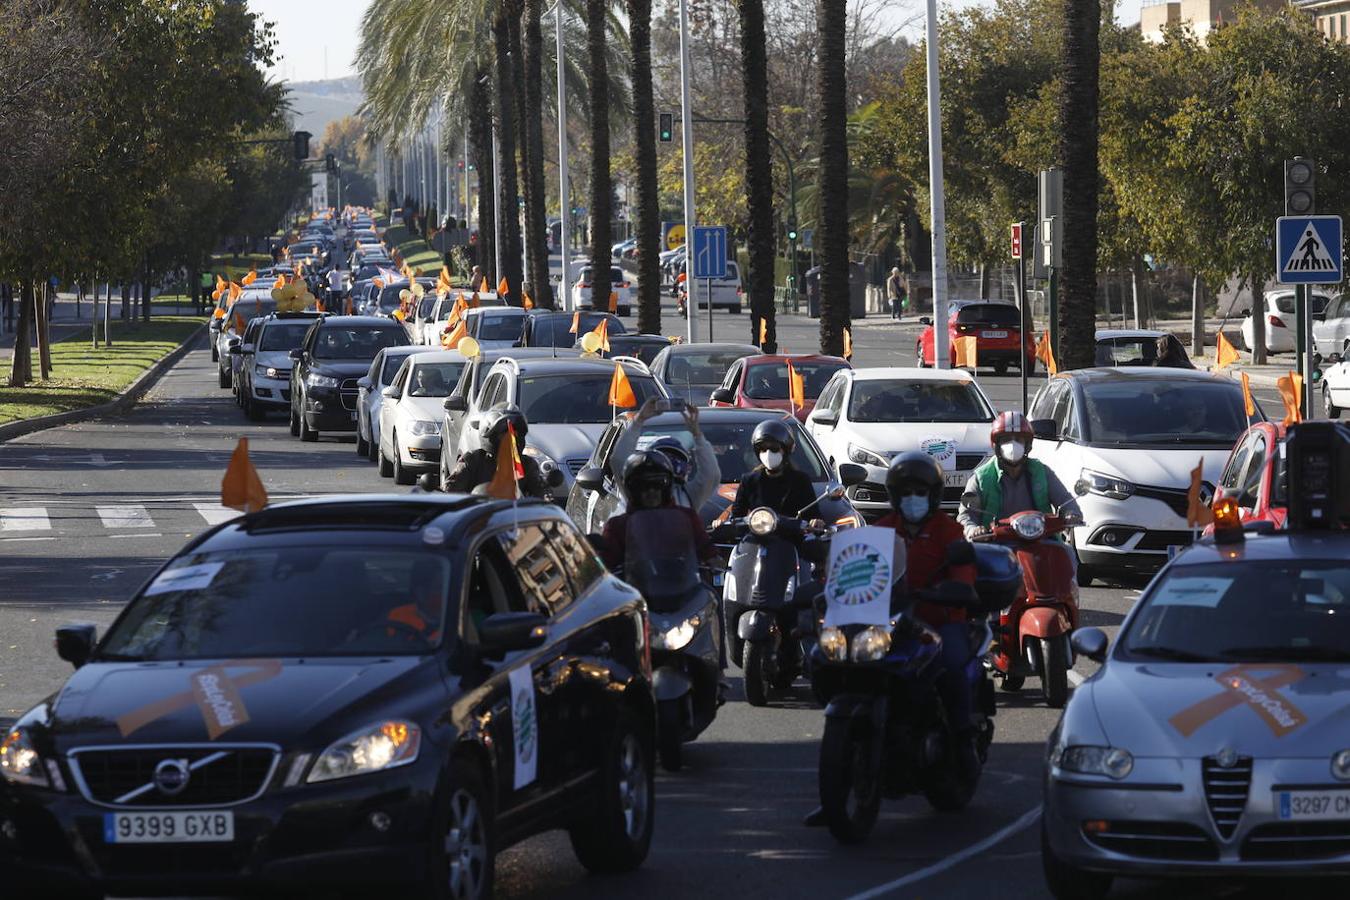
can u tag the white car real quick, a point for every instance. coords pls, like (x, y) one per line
(1331, 333)
(1336, 389)
(867, 416)
(370, 396)
(619, 283)
(410, 414)
(428, 330)
(1125, 440)
(496, 327)
(1280, 320)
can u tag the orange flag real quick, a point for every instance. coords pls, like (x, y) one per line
(348, 310)
(279, 283)
(457, 311)
(503, 483)
(241, 488)
(378, 282)
(1247, 400)
(218, 314)
(525, 301)
(602, 332)
(763, 332)
(238, 323)
(235, 291)
(848, 343)
(318, 305)
(485, 287)
(620, 391)
(1225, 354)
(1198, 514)
(1046, 354)
(451, 337)
(576, 322)
(965, 349)
(502, 287)
(1291, 389)
(221, 284)
(614, 301)
(796, 387)
(251, 277)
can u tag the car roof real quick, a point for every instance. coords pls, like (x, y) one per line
(1140, 373)
(716, 414)
(908, 373)
(358, 320)
(296, 316)
(571, 365)
(784, 357)
(677, 349)
(1277, 546)
(439, 356)
(639, 336)
(405, 350)
(1107, 334)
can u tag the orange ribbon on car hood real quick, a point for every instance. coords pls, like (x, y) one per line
(214, 692)
(1241, 685)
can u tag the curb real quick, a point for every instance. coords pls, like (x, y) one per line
(121, 403)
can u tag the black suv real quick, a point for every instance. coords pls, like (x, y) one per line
(547, 328)
(348, 691)
(337, 351)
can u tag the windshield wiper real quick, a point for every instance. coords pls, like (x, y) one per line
(1174, 654)
(1315, 652)
(119, 657)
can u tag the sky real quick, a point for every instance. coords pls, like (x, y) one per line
(317, 38)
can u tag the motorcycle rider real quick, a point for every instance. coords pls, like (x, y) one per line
(649, 482)
(476, 469)
(1010, 481)
(698, 473)
(775, 483)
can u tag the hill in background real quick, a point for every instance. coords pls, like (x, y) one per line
(316, 103)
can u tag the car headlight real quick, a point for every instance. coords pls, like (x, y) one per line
(762, 521)
(1340, 765)
(871, 644)
(1112, 762)
(374, 749)
(833, 644)
(19, 760)
(314, 380)
(863, 456)
(546, 463)
(1029, 525)
(426, 426)
(1091, 482)
(266, 372)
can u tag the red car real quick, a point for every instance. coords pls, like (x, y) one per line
(761, 382)
(1255, 475)
(996, 328)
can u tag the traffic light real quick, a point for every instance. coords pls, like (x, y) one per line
(329, 163)
(667, 127)
(1300, 191)
(792, 234)
(460, 165)
(302, 144)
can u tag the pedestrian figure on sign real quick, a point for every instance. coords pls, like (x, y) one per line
(1310, 246)
(896, 293)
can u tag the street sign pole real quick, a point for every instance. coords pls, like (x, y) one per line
(937, 201)
(1308, 250)
(1019, 252)
(564, 202)
(690, 212)
(707, 289)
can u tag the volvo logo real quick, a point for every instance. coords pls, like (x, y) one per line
(171, 776)
(1226, 758)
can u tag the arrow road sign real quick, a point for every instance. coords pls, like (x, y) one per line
(1308, 250)
(710, 251)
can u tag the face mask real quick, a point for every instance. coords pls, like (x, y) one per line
(914, 509)
(1012, 452)
(650, 498)
(772, 459)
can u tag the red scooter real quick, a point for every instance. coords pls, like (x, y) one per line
(1032, 636)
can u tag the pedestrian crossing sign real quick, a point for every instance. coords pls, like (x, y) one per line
(1308, 250)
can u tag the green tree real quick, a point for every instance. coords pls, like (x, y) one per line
(644, 139)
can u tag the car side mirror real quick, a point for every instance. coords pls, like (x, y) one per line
(455, 403)
(1089, 642)
(75, 643)
(235, 349)
(722, 395)
(591, 478)
(925, 320)
(297, 354)
(391, 392)
(851, 474)
(363, 382)
(503, 632)
(1045, 429)
(825, 417)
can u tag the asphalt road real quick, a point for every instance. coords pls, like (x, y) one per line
(87, 511)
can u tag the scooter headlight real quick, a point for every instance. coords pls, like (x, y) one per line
(833, 644)
(871, 644)
(676, 638)
(762, 521)
(1029, 525)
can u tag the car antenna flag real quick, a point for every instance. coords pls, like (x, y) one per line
(1198, 515)
(621, 394)
(796, 387)
(966, 351)
(241, 488)
(503, 483)
(1247, 401)
(1291, 389)
(1046, 354)
(1225, 354)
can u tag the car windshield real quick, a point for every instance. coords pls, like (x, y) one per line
(287, 336)
(769, 381)
(291, 601)
(356, 342)
(917, 401)
(1127, 351)
(556, 331)
(424, 307)
(1285, 303)
(1000, 314)
(392, 363)
(500, 328)
(1240, 611)
(643, 349)
(576, 399)
(434, 379)
(735, 455)
(700, 368)
(1210, 413)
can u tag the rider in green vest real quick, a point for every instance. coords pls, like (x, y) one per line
(1010, 481)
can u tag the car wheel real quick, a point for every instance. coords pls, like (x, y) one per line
(1000, 368)
(254, 412)
(1333, 411)
(1013, 683)
(617, 838)
(1055, 671)
(215, 353)
(625, 311)
(362, 445)
(386, 467)
(401, 474)
(1086, 575)
(462, 845)
(295, 422)
(222, 377)
(1068, 882)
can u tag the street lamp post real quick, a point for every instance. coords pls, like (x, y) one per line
(941, 355)
(564, 204)
(690, 212)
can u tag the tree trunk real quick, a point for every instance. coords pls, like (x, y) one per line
(42, 332)
(601, 186)
(984, 281)
(93, 329)
(480, 143)
(1134, 291)
(761, 241)
(536, 198)
(21, 364)
(648, 192)
(508, 204)
(1258, 320)
(145, 293)
(1197, 318)
(832, 234)
(1078, 127)
(126, 301)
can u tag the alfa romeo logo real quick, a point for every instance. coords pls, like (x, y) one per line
(860, 576)
(525, 726)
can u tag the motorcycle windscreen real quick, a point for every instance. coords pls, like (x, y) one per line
(661, 557)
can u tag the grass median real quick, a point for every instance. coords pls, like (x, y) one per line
(84, 377)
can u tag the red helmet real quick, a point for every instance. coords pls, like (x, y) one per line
(1011, 424)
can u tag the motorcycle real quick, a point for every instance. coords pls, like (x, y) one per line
(1032, 637)
(887, 731)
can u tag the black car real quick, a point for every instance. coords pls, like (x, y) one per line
(554, 329)
(645, 347)
(337, 351)
(349, 691)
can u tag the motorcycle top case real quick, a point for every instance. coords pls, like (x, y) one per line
(998, 576)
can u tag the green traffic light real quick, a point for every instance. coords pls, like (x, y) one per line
(792, 235)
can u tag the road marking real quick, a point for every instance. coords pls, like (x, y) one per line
(942, 865)
(214, 513)
(1075, 678)
(133, 516)
(137, 535)
(25, 518)
(23, 540)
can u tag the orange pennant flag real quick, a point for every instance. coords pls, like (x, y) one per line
(279, 283)
(503, 483)
(763, 332)
(238, 323)
(457, 311)
(445, 275)
(502, 287)
(318, 305)
(1225, 354)
(348, 309)
(576, 322)
(221, 284)
(602, 332)
(378, 282)
(796, 387)
(1291, 389)
(484, 286)
(965, 349)
(620, 391)
(1247, 400)
(848, 343)
(251, 277)
(1046, 354)
(1198, 514)
(235, 291)
(525, 301)
(241, 488)
(451, 337)
(218, 314)
(614, 301)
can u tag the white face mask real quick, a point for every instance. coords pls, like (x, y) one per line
(1012, 452)
(772, 459)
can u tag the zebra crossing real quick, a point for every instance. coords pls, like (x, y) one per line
(113, 520)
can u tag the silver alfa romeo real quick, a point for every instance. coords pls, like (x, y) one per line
(1215, 738)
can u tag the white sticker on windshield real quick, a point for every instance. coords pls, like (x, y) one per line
(1192, 591)
(184, 578)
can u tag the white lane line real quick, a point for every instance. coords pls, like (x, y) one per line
(23, 540)
(25, 518)
(1075, 678)
(957, 858)
(139, 534)
(131, 516)
(214, 513)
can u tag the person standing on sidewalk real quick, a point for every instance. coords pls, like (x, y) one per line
(897, 294)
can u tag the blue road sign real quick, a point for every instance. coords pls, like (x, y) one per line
(1308, 250)
(710, 251)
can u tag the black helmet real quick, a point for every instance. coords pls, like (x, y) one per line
(497, 419)
(673, 450)
(773, 432)
(649, 468)
(915, 467)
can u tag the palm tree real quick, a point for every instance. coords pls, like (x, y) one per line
(597, 22)
(758, 172)
(648, 192)
(532, 128)
(505, 123)
(1078, 129)
(832, 235)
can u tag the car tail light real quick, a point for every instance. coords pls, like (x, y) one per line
(1275, 322)
(583, 286)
